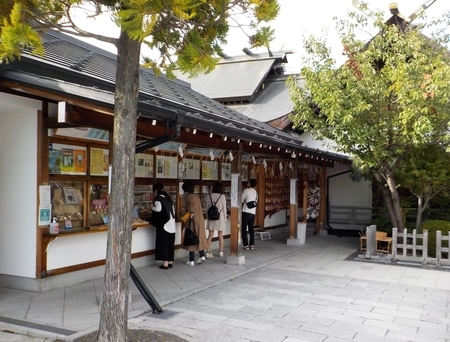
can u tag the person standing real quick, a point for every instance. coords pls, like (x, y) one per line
(249, 200)
(163, 217)
(218, 198)
(193, 206)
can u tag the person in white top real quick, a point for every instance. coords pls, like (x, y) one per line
(163, 217)
(218, 198)
(249, 200)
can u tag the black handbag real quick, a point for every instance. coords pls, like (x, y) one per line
(190, 239)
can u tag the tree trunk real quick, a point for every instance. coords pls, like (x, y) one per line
(398, 217)
(388, 196)
(420, 209)
(114, 306)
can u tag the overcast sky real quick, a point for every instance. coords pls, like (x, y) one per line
(299, 18)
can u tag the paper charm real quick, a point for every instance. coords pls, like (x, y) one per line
(231, 156)
(180, 151)
(253, 160)
(211, 154)
(281, 166)
(265, 165)
(156, 148)
(290, 165)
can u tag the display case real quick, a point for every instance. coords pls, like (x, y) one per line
(143, 199)
(98, 206)
(67, 199)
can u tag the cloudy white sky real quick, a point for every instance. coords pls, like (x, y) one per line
(299, 18)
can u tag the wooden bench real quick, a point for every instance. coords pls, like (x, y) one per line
(383, 242)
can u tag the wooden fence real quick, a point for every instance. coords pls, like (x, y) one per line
(413, 247)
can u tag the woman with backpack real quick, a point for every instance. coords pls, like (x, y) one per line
(163, 217)
(216, 223)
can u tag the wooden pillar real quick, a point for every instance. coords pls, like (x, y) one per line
(260, 177)
(305, 194)
(293, 205)
(236, 208)
(322, 213)
(323, 197)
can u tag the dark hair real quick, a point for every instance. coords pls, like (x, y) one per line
(159, 188)
(217, 188)
(188, 186)
(253, 182)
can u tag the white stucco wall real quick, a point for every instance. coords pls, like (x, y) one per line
(18, 185)
(343, 191)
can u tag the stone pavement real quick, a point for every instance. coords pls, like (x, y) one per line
(311, 292)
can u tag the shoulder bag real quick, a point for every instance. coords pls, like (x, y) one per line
(190, 238)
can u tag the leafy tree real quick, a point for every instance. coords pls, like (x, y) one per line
(190, 30)
(426, 173)
(390, 97)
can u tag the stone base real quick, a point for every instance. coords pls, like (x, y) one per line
(293, 242)
(236, 260)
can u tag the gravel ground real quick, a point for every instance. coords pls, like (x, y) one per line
(139, 335)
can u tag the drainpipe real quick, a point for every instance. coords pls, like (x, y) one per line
(175, 123)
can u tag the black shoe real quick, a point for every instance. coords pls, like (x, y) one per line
(170, 265)
(164, 267)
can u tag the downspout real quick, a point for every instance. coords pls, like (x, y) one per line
(174, 123)
(328, 196)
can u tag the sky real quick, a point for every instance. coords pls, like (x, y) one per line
(300, 18)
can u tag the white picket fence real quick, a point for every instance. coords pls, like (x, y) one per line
(413, 247)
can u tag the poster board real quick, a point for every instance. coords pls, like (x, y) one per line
(226, 172)
(66, 159)
(189, 169)
(166, 167)
(210, 170)
(244, 172)
(99, 162)
(144, 165)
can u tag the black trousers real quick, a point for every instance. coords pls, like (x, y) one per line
(248, 221)
(164, 247)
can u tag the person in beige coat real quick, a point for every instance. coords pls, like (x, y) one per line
(193, 205)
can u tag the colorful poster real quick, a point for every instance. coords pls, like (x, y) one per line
(67, 160)
(210, 170)
(45, 213)
(80, 160)
(54, 161)
(99, 162)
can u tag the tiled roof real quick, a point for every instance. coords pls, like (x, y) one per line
(83, 70)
